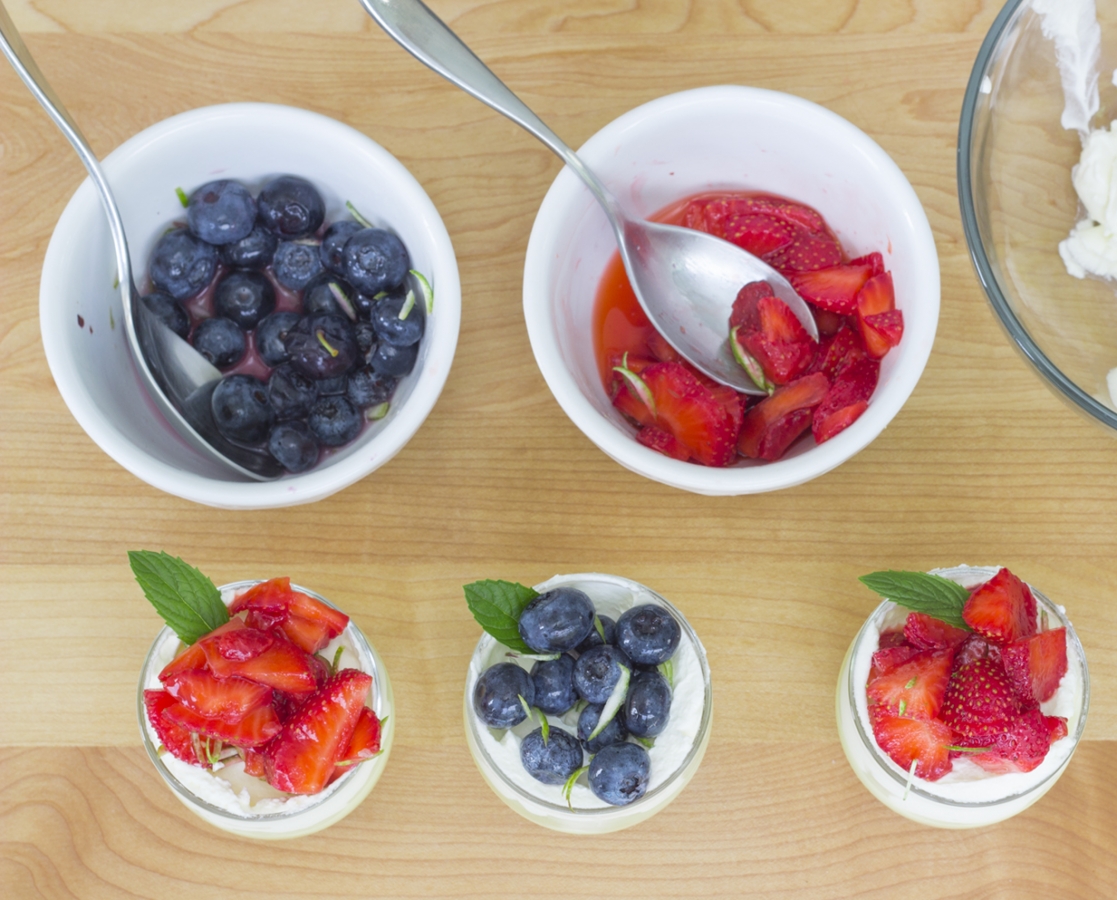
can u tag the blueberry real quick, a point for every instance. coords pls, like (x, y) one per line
(322, 346)
(366, 337)
(334, 421)
(393, 361)
(618, 773)
(330, 386)
(554, 684)
(375, 260)
(293, 446)
(594, 639)
(292, 395)
(553, 761)
(648, 634)
(366, 388)
(221, 212)
(332, 250)
(597, 672)
(295, 264)
(391, 329)
(612, 733)
(181, 265)
(241, 409)
(364, 303)
(647, 706)
(496, 696)
(556, 621)
(219, 340)
(245, 296)
(329, 293)
(169, 311)
(271, 334)
(252, 252)
(291, 206)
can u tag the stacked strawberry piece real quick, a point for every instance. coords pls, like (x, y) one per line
(937, 692)
(823, 386)
(257, 684)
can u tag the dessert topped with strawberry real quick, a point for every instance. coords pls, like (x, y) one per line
(822, 386)
(969, 680)
(259, 698)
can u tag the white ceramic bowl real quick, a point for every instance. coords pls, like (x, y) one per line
(733, 138)
(232, 801)
(81, 315)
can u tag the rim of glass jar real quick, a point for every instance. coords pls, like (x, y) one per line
(531, 799)
(968, 158)
(368, 664)
(901, 778)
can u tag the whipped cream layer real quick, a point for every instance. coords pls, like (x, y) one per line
(611, 597)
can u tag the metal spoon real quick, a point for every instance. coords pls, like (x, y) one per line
(178, 378)
(685, 280)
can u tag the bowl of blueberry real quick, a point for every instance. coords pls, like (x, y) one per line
(295, 255)
(587, 703)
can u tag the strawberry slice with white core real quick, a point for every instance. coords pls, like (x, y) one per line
(1002, 610)
(1036, 665)
(915, 688)
(928, 633)
(255, 729)
(230, 699)
(771, 426)
(924, 742)
(691, 413)
(834, 289)
(178, 741)
(282, 665)
(302, 758)
(1020, 746)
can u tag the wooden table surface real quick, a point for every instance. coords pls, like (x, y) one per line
(982, 465)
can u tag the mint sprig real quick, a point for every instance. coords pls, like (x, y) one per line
(496, 605)
(934, 595)
(186, 599)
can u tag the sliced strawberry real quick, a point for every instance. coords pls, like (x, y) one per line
(661, 351)
(758, 234)
(190, 659)
(789, 211)
(976, 647)
(771, 426)
(833, 289)
(873, 260)
(882, 332)
(928, 633)
(876, 296)
(690, 413)
(365, 742)
(273, 603)
(1002, 610)
(1035, 665)
(631, 405)
(839, 351)
(729, 400)
(302, 759)
(256, 728)
(177, 740)
(253, 762)
(746, 308)
(782, 361)
(846, 399)
(887, 659)
(979, 699)
(269, 598)
(892, 637)
(230, 699)
(915, 688)
(282, 666)
(828, 323)
(306, 607)
(806, 253)
(659, 440)
(1020, 746)
(925, 742)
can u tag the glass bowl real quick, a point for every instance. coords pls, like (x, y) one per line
(246, 806)
(967, 797)
(1018, 203)
(675, 757)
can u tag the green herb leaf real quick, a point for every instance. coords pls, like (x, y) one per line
(361, 220)
(186, 599)
(612, 703)
(496, 605)
(425, 289)
(569, 786)
(934, 595)
(182, 198)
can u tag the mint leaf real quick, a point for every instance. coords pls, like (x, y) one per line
(186, 599)
(934, 595)
(496, 605)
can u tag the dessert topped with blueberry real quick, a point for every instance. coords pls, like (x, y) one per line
(312, 323)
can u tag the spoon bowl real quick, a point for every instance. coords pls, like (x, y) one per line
(685, 281)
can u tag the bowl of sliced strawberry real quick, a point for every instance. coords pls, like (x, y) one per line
(963, 697)
(262, 706)
(795, 185)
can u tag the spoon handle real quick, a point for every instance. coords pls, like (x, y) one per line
(426, 37)
(12, 46)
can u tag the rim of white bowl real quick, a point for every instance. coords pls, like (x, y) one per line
(324, 480)
(913, 351)
(986, 273)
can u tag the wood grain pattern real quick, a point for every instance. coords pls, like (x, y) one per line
(982, 465)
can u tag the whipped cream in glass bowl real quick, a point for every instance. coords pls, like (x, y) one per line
(675, 754)
(968, 796)
(229, 799)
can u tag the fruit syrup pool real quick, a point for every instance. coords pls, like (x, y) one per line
(968, 796)
(675, 755)
(231, 800)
